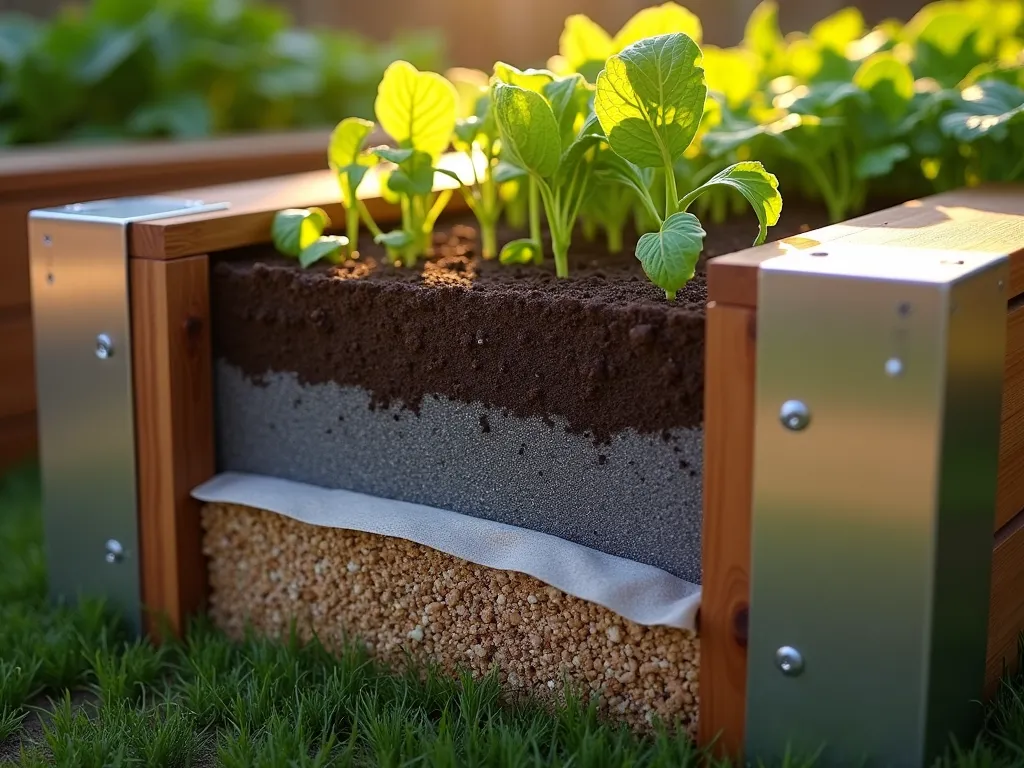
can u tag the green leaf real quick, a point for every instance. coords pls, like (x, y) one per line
(650, 99)
(563, 96)
(760, 188)
(519, 252)
(505, 171)
(529, 131)
(658, 20)
(413, 176)
(839, 30)
(889, 81)
(528, 79)
(466, 131)
(880, 161)
(345, 155)
(988, 108)
(295, 229)
(394, 240)
(584, 42)
(761, 33)
(731, 72)
(575, 156)
(393, 155)
(669, 256)
(328, 247)
(417, 109)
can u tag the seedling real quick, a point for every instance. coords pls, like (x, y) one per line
(299, 233)
(476, 134)
(540, 135)
(650, 100)
(418, 110)
(347, 159)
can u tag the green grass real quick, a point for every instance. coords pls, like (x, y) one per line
(75, 691)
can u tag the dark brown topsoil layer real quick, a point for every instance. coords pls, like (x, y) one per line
(603, 349)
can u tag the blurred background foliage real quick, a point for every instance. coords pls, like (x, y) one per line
(113, 69)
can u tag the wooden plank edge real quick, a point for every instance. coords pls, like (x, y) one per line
(40, 169)
(254, 203)
(1006, 605)
(730, 369)
(172, 371)
(732, 278)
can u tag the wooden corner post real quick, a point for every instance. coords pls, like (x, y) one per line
(864, 436)
(125, 411)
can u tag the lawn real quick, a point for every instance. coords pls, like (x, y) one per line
(74, 691)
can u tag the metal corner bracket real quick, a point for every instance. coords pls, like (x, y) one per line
(877, 417)
(81, 313)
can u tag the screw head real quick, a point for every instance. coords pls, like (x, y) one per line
(789, 661)
(47, 240)
(104, 347)
(794, 415)
(115, 552)
(893, 367)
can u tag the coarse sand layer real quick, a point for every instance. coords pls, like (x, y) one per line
(407, 601)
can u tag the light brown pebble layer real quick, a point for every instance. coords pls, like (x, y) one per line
(398, 596)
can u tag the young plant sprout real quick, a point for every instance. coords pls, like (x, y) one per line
(299, 233)
(650, 101)
(541, 134)
(476, 134)
(418, 110)
(349, 162)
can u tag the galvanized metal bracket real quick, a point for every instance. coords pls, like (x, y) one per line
(81, 315)
(878, 397)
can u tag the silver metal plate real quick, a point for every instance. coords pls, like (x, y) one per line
(80, 306)
(879, 379)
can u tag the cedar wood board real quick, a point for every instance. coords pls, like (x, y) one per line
(989, 219)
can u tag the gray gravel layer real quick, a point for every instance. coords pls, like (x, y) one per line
(638, 497)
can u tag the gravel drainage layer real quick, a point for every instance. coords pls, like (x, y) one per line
(406, 601)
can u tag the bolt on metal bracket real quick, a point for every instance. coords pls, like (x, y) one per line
(872, 522)
(78, 258)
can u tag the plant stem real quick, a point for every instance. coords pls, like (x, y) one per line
(614, 232)
(352, 230)
(821, 181)
(364, 213)
(671, 193)
(534, 206)
(489, 238)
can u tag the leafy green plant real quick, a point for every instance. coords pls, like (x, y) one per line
(299, 233)
(346, 157)
(111, 69)
(418, 110)
(476, 134)
(539, 134)
(650, 100)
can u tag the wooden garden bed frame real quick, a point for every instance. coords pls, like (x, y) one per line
(49, 175)
(169, 263)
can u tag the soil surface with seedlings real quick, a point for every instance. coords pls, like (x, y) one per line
(603, 349)
(406, 601)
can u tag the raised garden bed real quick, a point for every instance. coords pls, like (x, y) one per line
(62, 174)
(487, 464)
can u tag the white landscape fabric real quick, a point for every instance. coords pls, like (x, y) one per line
(641, 593)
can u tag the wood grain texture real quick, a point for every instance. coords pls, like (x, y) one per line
(988, 219)
(172, 371)
(1010, 492)
(253, 205)
(57, 167)
(729, 376)
(1006, 606)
